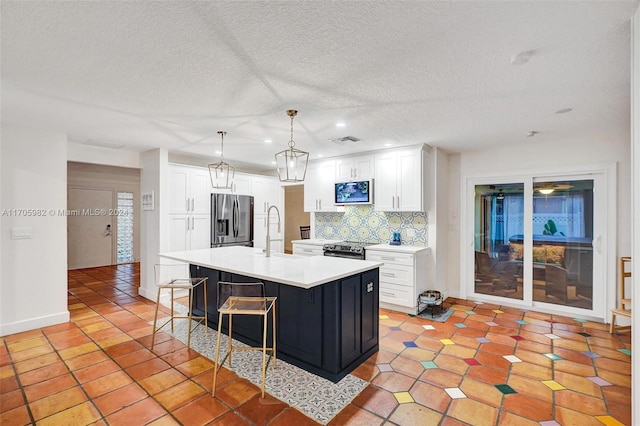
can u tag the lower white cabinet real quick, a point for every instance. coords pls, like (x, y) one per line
(402, 277)
(189, 232)
(310, 248)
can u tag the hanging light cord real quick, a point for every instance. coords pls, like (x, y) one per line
(292, 113)
(221, 133)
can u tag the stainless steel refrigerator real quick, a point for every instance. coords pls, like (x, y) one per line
(231, 220)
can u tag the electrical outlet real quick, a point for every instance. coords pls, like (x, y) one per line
(21, 233)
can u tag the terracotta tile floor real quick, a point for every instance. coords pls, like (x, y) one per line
(486, 365)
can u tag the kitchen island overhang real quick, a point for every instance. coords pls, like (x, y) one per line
(327, 308)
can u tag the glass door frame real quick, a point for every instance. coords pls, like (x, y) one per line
(604, 238)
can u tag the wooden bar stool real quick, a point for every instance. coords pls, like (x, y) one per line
(624, 303)
(176, 277)
(245, 299)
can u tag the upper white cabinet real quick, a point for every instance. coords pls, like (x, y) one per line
(318, 186)
(241, 185)
(360, 167)
(398, 182)
(266, 192)
(189, 190)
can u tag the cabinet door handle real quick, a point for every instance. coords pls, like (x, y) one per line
(193, 204)
(320, 203)
(388, 274)
(187, 204)
(387, 293)
(388, 258)
(393, 202)
(187, 224)
(193, 223)
(398, 203)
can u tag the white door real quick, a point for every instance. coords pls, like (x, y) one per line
(90, 228)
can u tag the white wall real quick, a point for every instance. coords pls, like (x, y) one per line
(635, 210)
(33, 276)
(154, 231)
(96, 155)
(453, 225)
(436, 176)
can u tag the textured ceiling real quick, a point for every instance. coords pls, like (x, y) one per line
(170, 74)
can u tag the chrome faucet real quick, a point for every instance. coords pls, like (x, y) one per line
(268, 249)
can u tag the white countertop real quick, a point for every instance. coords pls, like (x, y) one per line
(398, 249)
(299, 271)
(316, 241)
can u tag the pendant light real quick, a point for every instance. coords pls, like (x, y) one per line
(291, 163)
(221, 173)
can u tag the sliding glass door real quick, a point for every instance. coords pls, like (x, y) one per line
(562, 251)
(536, 242)
(499, 217)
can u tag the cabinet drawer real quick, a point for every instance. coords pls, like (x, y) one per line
(396, 294)
(390, 258)
(307, 250)
(397, 275)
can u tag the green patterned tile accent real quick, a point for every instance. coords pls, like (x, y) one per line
(506, 389)
(363, 223)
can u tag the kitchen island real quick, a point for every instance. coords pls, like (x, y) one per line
(327, 308)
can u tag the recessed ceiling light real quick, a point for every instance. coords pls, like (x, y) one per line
(218, 152)
(273, 162)
(341, 124)
(268, 141)
(522, 57)
(388, 144)
(564, 110)
(320, 155)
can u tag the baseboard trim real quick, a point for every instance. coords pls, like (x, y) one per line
(33, 323)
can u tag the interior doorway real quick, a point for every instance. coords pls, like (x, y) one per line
(294, 213)
(122, 212)
(90, 227)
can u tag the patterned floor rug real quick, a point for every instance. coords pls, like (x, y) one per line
(315, 396)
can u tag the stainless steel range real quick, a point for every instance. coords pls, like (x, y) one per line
(348, 249)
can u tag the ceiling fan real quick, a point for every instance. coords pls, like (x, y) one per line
(547, 188)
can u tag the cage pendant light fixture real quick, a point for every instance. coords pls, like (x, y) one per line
(221, 173)
(291, 163)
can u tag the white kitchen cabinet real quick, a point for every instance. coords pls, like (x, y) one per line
(350, 168)
(319, 186)
(402, 277)
(189, 232)
(189, 208)
(399, 182)
(260, 233)
(240, 185)
(266, 192)
(308, 247)
(189, 190)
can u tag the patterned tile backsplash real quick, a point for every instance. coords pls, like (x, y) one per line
(363, 223)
